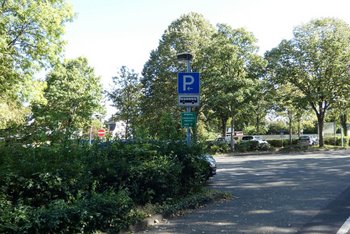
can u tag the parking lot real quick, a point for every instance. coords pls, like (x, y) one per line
(291, 193)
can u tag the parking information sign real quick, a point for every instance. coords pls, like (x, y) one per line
(188, 87)
(188, 83)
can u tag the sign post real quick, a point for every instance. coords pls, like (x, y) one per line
(188, 88)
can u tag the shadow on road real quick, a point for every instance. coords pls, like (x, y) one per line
(271, 194)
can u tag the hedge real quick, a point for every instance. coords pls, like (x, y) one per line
(83, 188)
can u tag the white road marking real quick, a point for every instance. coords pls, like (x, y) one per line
(345, 228)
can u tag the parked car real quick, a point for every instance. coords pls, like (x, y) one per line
(221, 140)
(307, 140)
(212, 164)
(254, 138)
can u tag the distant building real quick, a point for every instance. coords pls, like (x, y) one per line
(116, 128)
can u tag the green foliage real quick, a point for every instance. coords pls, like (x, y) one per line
(315, 62)
(126, 97)
(30, 39)
(276, 127)
(73, 95)
(277, 143)
(249, 130)
(231, 57)
(251, 146)
(214, 147)
(337, 141)
(82, 188)
(191, 32)
(169, 127)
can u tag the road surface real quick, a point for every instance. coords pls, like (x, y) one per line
(290, 193)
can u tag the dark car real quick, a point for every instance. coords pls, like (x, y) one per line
(212, 164)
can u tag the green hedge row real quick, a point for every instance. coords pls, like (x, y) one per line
(280, 143)
(251, 146)
(337, 141)
(83, 188)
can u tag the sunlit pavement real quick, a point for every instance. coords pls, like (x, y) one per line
(290, 193)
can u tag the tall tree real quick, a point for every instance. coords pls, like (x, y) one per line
(290, 102)
(30, 39)
(190, 33)
(316, 61)
(260, 104)
(73, 95)
(232, 69)
(126, 95)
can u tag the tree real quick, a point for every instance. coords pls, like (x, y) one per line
(289, 100)
(232, 67)
(73, 95)
(316, 62)
(30, 39)
(190, 33)
(126, 98)
(261, 102)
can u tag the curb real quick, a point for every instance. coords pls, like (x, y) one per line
(147, 222)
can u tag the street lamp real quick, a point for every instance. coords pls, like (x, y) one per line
(186, 57)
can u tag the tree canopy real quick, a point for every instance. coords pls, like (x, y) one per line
(231, 73)
(73, 95)
(316, 61)
(190, 33)
(30, 40)
(125, 96)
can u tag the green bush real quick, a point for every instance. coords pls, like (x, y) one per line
(336, 141)
(251, 146)
(214, 147)
(83, 188)
(108, 212)
(154, 180)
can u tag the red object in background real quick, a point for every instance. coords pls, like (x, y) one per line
(101, 132)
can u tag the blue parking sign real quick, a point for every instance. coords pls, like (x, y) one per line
(188, 83)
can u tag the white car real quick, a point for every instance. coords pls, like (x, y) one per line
(307, 140)
(254, 138)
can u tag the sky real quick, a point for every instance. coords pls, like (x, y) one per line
(115, 33)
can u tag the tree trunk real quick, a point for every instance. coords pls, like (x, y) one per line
(257, 127)
(290, 128)
(343, 120)
(223, 126)
(232, 140)
(127, 129)
(320, 120)
(320, 110)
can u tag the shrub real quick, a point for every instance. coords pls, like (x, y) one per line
(277, 143)
(154, 180)
(214, 147)
(336, 141)
(83, 188)
(251, 146)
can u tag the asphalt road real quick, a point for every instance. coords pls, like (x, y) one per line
(294, 193)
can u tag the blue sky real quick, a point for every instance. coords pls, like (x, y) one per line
(113, 33)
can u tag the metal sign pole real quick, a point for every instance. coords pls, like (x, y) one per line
(188, 137)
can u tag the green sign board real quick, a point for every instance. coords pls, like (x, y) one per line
(188, 119)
